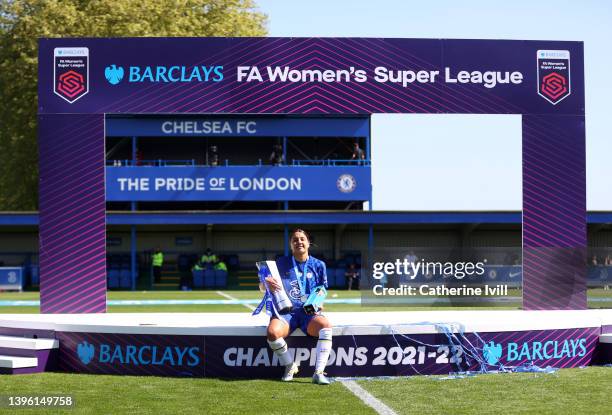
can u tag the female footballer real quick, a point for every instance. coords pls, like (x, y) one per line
(300, 274)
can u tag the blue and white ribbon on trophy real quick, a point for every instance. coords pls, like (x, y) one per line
(276, 302)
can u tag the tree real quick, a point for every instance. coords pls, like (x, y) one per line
(23, 22)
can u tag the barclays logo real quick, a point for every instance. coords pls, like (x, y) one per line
(492, 352)
(85, 352)
(143, 355)
(163, 74)
(534, 350)
(551, 349)
(114, 74)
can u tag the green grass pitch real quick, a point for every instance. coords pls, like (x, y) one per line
(569, 391)
(566, 391)
(605, 295)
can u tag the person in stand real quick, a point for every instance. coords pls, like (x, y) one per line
(209, 259)
(138, 158)
(358, 153)
(158, 263)
(277, 158)
(352, 276)
(300, 274)
(213, 156)
(220, 266)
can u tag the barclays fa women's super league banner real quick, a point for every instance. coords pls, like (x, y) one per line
(83, 80)
(280, 75)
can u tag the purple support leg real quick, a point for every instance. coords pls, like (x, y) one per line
(554, 213)
(72, 214)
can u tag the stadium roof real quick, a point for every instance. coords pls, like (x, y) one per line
(292, 217)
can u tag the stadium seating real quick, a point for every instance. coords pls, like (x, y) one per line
(34, 275)
(113, 278)
(184, 262)
(125, 278)
(598, 276)
(209, 278)
(331, 277)
(233, 262)
(198, 279)
(340, 277)
(220, 278)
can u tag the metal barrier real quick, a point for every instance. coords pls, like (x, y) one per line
(294, 163)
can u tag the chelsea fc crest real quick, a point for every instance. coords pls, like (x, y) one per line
(346, 183)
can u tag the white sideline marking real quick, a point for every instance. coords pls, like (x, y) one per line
(368, 398)
(229, 297)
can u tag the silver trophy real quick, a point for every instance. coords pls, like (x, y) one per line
(281, 300)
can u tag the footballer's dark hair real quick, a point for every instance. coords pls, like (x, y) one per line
(308, 236)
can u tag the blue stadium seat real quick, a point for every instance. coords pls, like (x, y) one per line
(125, 260)
(220, 278)
(349, 259)
(331, 277)
(198, 279)
(340, 278)
(183, 262)
(113, 261)
(209, 278)
(34, 275)
(125, 278)
(113, 278)
(233, 262)
(599, 274)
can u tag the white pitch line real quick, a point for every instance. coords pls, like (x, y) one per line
(367, 398)
(229, 297)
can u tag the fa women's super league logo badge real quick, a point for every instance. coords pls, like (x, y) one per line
(71, 73)
(554, 75)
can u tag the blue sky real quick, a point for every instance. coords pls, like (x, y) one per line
(589, 21)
